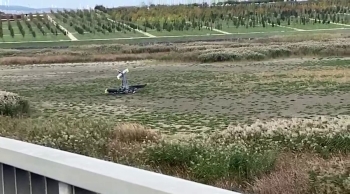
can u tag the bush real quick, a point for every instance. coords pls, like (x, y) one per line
(79, 136)
(119, 142)
(207, 163)
(234, 164)
(230, 54)
(274, 51)
(174, 154)
(217, 56)
(12, 104)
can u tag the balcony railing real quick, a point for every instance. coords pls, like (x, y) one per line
(32, 169)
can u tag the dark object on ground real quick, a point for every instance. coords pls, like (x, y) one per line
(124, 88)
(131, 90)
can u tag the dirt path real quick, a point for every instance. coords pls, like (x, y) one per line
(69, 34)
(137, 30)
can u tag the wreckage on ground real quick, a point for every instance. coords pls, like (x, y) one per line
(124, 88)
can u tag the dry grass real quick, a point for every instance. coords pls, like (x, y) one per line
(128, 140)
(334, 74)
(332, 176)
(134, 132)
(51, 59)
(289, 177)
(200, 51)
(23, 60)
(303, 37)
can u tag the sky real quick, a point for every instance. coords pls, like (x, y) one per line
(72, 3)
(84, 3)
(77, 4)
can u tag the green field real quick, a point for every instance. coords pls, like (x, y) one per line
(84, 26)
(194, 32)
(18, 37)
(315, 26)
(267, 29)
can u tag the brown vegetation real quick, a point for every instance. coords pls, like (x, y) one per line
(240, 165)
(260, 49)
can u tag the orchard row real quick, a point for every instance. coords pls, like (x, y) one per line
(86, 21)
(29, 25)
(184, 17)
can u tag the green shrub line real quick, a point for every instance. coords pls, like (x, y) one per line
(208, 164)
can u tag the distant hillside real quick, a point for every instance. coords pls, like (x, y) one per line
(23, 9)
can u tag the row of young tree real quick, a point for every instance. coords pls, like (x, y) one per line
(87, 21)
(184, 17)
(1, 31)
(25, 26)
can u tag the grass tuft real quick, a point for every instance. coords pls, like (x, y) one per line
(133, 132)
(12, 104)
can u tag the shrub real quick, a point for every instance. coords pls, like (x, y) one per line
(12, 104)
(229, 54)
(273, 51)
(234, 164)
(173, 154)
(119, 142)
(216, 56)
(207, 163)
(83, 136)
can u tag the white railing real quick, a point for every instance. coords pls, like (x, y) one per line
(96, 176)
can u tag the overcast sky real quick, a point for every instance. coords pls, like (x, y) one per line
(92, 3)
(71, 3)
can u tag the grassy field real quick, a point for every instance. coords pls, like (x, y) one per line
(210, 103)
(147, 40)
(268, 29)
(188, 99)
(183, 33)
(317, 26)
